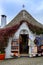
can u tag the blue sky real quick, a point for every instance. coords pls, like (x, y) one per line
(11, 8)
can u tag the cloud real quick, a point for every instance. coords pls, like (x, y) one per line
(12, 7)
(40, 6)
(14, 1)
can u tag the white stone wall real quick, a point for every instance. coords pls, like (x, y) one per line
(24, 26)
(31, 36)
(8, 49)
(16, 36)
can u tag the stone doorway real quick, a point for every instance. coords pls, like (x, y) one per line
(24, 48)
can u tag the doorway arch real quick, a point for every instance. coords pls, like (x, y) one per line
(23, 38)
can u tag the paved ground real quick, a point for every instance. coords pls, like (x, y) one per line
(23, 61)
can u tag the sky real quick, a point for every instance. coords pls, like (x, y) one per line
(11, 8)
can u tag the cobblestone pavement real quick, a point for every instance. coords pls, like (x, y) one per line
(23, 61)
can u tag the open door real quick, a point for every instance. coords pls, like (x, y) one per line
(24, 44)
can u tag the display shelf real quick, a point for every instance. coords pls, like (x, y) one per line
(14, 50)
(14, 46)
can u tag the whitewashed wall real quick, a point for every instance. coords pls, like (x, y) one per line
(31, 36)
(24, 26)
(16, 36)
(8, 49)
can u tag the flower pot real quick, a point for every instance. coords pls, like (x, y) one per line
(2, 56)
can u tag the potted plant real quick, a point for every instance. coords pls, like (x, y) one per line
(2, 54)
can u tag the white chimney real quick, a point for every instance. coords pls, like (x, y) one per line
(3, 21)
